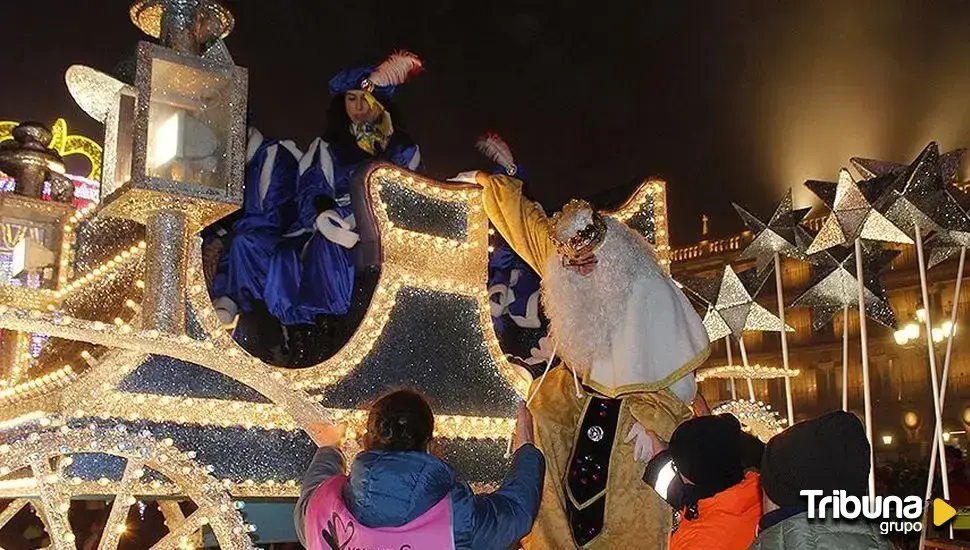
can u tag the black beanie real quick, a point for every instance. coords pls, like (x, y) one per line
(752, 451)
(707, 451)
(827, 453)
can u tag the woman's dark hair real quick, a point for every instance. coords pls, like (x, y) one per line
(337, 128)
(400, 421)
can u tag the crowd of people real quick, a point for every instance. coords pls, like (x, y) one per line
(735, 492)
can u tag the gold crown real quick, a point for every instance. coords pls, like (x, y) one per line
(584, 242)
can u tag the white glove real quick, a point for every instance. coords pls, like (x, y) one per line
(226, 310)
(337, 229)
(466, 177)
(643, 448)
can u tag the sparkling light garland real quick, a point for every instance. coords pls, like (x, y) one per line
(758, 372)
(650, 191)
(757, 418)
(54, 493)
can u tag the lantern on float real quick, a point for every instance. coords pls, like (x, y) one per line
(174, 139)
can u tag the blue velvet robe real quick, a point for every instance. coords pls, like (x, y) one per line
(311, 275)
(272, 169)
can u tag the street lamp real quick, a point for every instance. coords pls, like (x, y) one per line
(911, 332)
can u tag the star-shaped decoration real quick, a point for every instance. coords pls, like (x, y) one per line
(852, 213)
(781, 235)
(950, 163)
(944, 245)
(919, 197)
(731, 307)
(835, 285)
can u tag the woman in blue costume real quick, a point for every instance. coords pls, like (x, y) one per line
(268, 211)
(513, 285)
(312, 275)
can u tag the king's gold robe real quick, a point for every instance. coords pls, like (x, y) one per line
(635, 516)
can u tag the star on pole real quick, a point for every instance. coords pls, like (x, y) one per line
(852, 213)
(944, 245)
(835, 286)
(950, 163)
(731, 307)
(918, 196)
(783, 234)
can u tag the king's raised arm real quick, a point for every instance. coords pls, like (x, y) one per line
(521, 222)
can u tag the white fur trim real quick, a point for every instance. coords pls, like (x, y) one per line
(266, 174)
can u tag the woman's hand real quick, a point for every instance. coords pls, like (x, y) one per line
(325, 434)
(523, 428)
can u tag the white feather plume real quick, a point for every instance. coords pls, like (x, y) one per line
(396, 69)
(497, 150)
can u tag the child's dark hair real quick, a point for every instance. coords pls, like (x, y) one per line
(400, 421)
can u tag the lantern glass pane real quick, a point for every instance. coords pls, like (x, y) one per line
(124, 140)
(188, 125)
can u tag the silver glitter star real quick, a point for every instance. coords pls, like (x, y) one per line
(852, 213)
(950, 163)
(835, 285)
(944, 245)
(919, 197)
(781, 235)
(731, 307)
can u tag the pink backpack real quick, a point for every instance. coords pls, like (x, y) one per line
(331, 526)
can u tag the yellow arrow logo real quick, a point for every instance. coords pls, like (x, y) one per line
(942, 512)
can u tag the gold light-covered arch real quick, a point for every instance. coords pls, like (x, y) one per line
(101, 349)
(65, 144)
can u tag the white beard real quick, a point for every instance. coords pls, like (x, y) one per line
(585, 312)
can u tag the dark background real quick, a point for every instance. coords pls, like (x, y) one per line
(728, 100)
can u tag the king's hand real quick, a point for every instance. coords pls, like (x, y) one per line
(646, 443)
(466, 177)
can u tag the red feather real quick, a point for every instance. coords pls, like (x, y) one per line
(396, 69)
(496, 149)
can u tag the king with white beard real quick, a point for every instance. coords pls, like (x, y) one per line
(629, 341)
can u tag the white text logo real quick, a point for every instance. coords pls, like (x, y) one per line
(895, 514)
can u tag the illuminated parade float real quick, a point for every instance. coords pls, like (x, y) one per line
(120, 384)
(123, 391)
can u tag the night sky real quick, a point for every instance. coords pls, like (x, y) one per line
(726, 100)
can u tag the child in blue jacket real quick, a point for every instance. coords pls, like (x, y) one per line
(398, 494)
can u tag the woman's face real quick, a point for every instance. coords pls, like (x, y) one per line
(359, 109)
